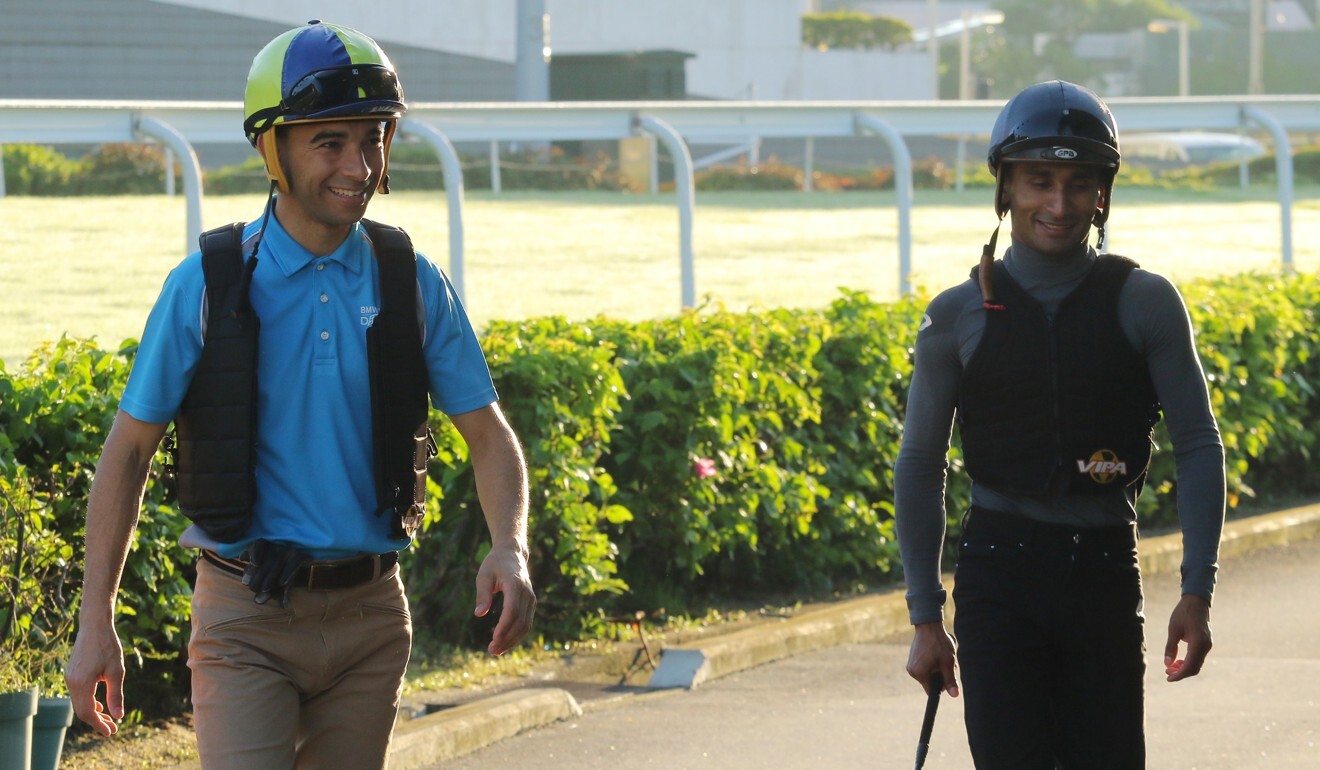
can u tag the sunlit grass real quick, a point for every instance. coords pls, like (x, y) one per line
(93, 266)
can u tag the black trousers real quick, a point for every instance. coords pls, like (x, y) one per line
(1051, 644)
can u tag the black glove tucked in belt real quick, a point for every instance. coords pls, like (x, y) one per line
(271, 568)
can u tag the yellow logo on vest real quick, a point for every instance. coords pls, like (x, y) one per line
(1103, 467)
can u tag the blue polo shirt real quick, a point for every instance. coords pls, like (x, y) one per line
(314, 462)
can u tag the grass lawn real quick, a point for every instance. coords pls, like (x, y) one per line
(93, 266)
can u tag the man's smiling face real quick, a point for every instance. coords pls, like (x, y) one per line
(333, 169)
(1052, 204)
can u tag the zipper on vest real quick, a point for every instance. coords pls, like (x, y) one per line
(1057, 427)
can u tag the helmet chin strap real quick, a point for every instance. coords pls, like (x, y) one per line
(986, 268)
(270, 154)
(391, 126)
(1102, 214)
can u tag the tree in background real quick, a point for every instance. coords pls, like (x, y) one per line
(1037, 41)
(853, 29)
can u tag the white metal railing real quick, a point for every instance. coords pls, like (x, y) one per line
(676, 124)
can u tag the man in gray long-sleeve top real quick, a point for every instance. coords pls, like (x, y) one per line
(1056, 362)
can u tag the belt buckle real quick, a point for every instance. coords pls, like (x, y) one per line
(311, 576)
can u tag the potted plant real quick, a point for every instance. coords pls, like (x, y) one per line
(36, 625)
(54, 709)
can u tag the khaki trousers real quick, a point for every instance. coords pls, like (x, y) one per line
(316, 685)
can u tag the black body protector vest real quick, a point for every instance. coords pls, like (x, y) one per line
(215, 450)
(1061, 405)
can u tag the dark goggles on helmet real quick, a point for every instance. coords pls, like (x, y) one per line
(353, 90)
(339, 87)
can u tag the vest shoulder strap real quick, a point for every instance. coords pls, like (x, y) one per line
(222, 265)
(398, 268)
(399, 384)
(215, 428)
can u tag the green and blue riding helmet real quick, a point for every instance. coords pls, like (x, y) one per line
(319, 72)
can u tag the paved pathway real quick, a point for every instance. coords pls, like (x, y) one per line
(1257, 704)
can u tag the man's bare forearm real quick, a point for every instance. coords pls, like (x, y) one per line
(112, 513)
(501, 476)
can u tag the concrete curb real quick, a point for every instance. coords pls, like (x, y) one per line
(426, 741)
(877, 617)
(429, 740)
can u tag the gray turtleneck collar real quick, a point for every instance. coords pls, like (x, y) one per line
(1048, 279)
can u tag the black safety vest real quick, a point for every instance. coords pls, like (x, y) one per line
(214, 453)
(1042, 399)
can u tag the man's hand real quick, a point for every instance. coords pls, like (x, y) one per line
(1190, 623)
(933, 651)
(504, 570)
(97, 657)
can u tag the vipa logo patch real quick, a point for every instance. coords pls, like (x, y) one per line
(1103, 467)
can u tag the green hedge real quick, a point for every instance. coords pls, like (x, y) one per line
(119, 169)
(674, 464)
(138, 169)
(853, 29)
(110, 169)
(55, 413)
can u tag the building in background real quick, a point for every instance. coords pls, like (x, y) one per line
(466, 50)
(741, 49)
(447, 50)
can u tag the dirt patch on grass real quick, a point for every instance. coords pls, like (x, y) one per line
(135, 747)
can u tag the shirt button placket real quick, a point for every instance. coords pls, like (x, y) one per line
(321, 313)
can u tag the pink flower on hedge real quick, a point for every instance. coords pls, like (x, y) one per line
(704, 467)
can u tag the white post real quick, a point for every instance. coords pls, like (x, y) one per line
(964, 92)
(495, 167)
(452, 168)
(1283, 165)
(1256, 48)
(965, 57)
(655, 164)
(2, 171)
(809, 164)
(961, 163)
(1184, 71)
(169, 172)
(903, 187)
(192, 174)
(933, 46)
(531, 73)
(684, 189)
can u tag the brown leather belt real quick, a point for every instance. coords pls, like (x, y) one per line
(323, 575)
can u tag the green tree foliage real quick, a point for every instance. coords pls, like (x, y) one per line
(1036, 40)
(853, 29)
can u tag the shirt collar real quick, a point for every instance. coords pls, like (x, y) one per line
(1038, 272)
(290, 256)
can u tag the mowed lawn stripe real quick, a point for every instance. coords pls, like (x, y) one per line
(93, 266)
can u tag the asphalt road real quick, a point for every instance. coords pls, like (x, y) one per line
(1255, 705)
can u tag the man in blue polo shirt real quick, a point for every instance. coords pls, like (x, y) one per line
(301, 632)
